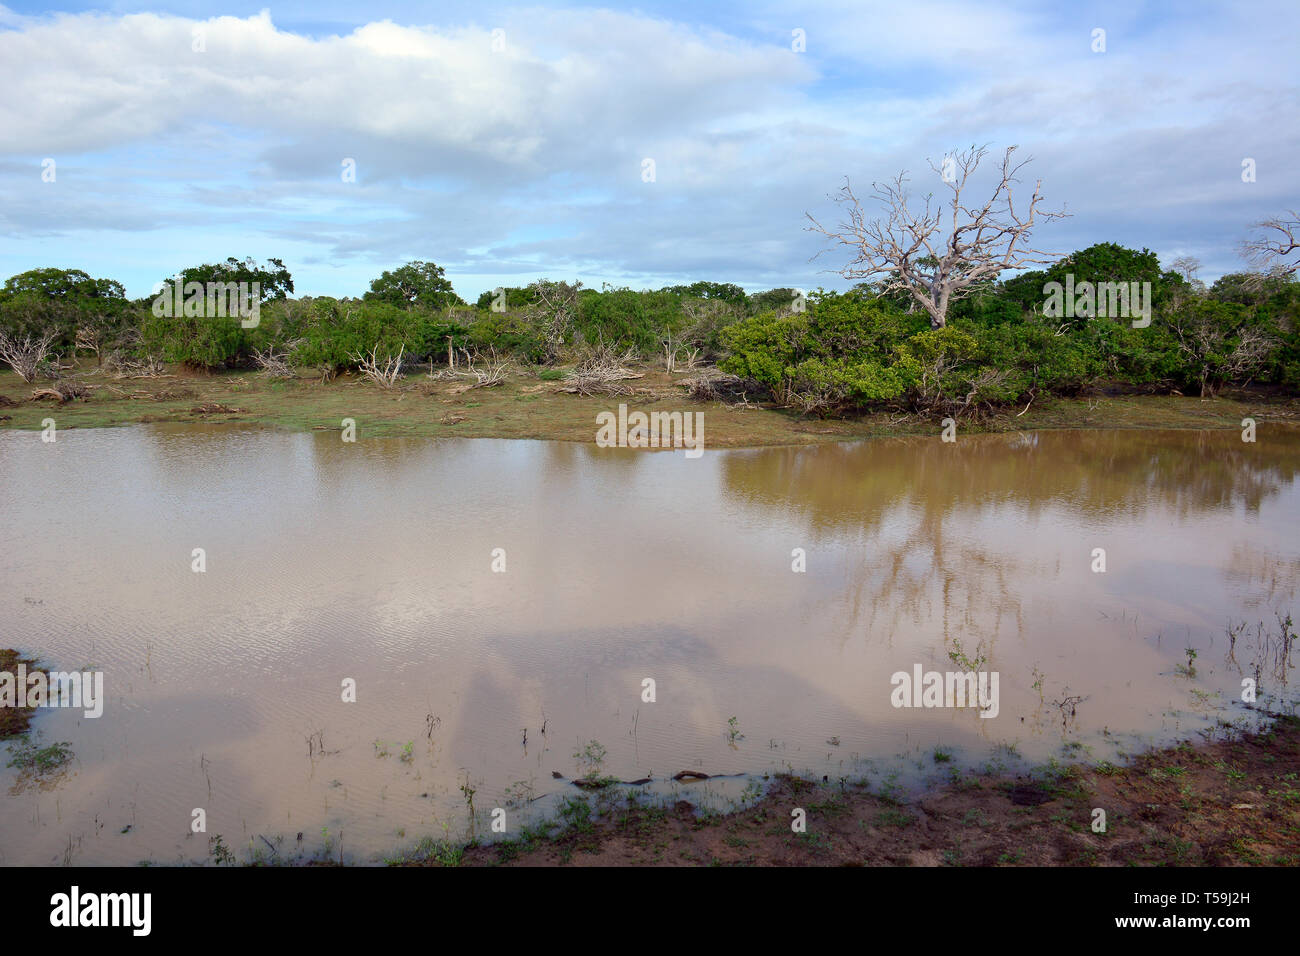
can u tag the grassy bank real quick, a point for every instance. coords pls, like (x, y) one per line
(525, 406)
(1227, 802)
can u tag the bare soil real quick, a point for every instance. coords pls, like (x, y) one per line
(14, 720)
(1223, 803)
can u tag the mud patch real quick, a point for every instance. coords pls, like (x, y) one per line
(1226, 803)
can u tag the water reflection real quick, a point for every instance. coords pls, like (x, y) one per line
(373, 562)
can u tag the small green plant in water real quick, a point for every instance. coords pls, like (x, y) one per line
(469, 792)
(1039, 677)
(591, 757)
(958, 656)
(27, 756)
(219, 852)
(733, 731)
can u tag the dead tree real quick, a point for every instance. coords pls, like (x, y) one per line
(28, 355)
(90, 338)
(937, 256)
(555, 308)
(671, 344)
(1268, 253)
(490, 373)
(383, 372)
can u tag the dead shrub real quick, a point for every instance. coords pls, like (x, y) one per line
(29, 356)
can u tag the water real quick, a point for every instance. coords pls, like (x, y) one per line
(373, 561)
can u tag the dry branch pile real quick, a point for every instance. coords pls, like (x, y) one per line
(491, 372)
(127, 366)
(63, 392)
(602, 372)
(714, 386)
(273, 365)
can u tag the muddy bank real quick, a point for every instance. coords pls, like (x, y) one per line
(14, 720)
(525, 406)
(1229, 802)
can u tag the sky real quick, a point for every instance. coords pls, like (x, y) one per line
(508, 143)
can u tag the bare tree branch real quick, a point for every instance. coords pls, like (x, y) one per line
(935, 257)
(1268, 253)
(26, 356)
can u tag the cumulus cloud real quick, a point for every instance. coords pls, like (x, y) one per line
(521, 150)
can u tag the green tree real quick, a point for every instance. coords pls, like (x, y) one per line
(274, 279)
(417, 284)
(67, 303)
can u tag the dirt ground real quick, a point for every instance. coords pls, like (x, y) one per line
(14, 720)
(1224, 803)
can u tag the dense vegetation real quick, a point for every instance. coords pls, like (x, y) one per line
(831, 353)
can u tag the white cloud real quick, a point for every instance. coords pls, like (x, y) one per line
(460, 147)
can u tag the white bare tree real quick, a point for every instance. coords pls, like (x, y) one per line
(1269, 253)
(938, 254)
(28, 355)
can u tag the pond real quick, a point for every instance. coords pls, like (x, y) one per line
(499, 607)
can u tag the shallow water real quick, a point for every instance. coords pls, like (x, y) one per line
(373, 561)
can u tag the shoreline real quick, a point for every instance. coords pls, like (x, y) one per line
(529, 408)
(1233, 801)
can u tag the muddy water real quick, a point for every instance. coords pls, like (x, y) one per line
(373, 562)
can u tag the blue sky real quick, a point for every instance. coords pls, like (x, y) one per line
(509, 161)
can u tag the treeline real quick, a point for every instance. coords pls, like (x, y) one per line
(828, 353)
